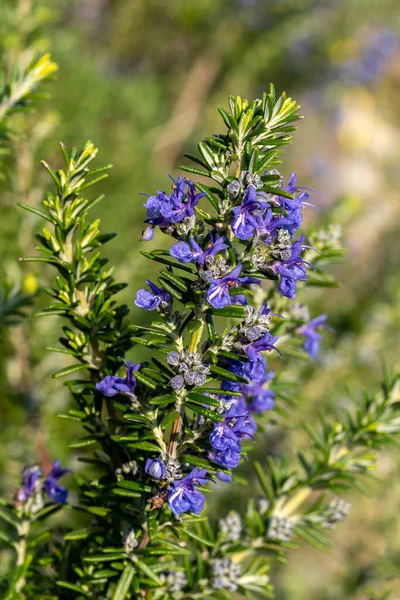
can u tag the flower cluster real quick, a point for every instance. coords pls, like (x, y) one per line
(191, 369)
(173, 212)
(35, 487)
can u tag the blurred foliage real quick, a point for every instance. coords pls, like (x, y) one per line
(142, 78)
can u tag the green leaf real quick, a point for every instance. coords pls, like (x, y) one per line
(133, 485)
(147, 446)
(198, 538)
(35, 211)
(237, 312)
(217, 391)
(161, 400)
(169, 418)
(100, 511)
(84, 442)
(100, 558)
(124, 583)
(180, 283)
(146, 380)
(205, 412)
(9, 518)
(71, 369)
(126, 493)
(147, 571)
(81, 534)
(166, 261)
(225, 374)
(71, 586)
(203, 399)
(203, 463)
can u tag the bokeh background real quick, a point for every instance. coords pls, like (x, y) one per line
(142, 79)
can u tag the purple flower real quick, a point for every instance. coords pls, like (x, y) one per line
(188, 252)
(312, 337)
(259, 398)
(218, 292)
(291, 270)
(155, 468)
(164, 210)
(56, 492)
(248, 216)
(152, 300)
(294, 207)
(184, 496)
(226, 437)
(256, 366)
(113, 384)
(30, 476)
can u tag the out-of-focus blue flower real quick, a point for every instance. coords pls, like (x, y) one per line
(189, 252)
(56, 492)
(218, 292)
(256, 393)
(113, 384)
(312, 337)
(291, 270)
(30, 477)
(165, 210)
(155, 468)
(152, 300)
(184, 496)
(248, 217)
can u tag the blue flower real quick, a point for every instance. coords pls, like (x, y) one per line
(155, 468)
(184, 496)
(226, 437)
(113, 384)
(185, 252)
(248, 217)
(164, 210)
(291, 270)
(258, 397)
(152, 300)
(294, 207)
(256, 365)
(312, 337)
(218, 292)
(56, 492)
(30, 477)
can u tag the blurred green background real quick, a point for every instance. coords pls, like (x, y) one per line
(143, 79)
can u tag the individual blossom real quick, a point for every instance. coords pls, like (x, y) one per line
(165, 210)
(248, 217)
(218, 292)
(113, 384)
(256, 365)
(155, 468)
(293, 208)
(30, 483)
(312, 337)
(150, 300)
(56, 492)
(291, 270)
(191, 252)
(184, 496)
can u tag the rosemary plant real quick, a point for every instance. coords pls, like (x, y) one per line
(163, 432)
